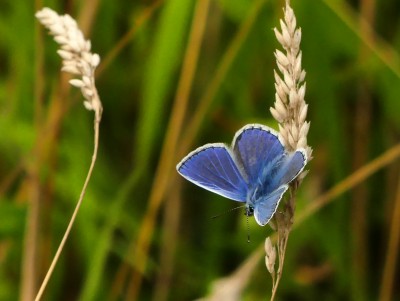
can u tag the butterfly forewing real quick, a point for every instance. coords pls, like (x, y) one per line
(255, 146)
(213, 168)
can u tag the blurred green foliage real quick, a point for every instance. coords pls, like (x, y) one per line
(353, 92)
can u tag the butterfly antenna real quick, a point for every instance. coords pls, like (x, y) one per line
(230, 210)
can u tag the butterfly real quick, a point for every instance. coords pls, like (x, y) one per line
(255, 170)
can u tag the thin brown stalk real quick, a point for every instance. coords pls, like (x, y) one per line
(77, 59)
(47, 128)
(11, 177)
(383, 50)
(31, 237)
(229, 56)
(87, 15)
(39, 83)
(282, 243)
(123, 42)
(362, 128)
(72, 220)
(169, 242)
(360, 194)
(45, 143)
(166, 165)
(29, 263)
(351, 181)
(389, 271)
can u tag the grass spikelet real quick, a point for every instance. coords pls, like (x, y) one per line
(290, 110)
(77, 59)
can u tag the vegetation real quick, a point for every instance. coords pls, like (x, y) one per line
(175, 75)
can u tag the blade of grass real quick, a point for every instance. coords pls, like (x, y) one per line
(351, 181)
(192, 129)
(10, 179)
(166, 165)
(87, 15)
(362, 130)
(29, 263)
(124, 41)
(29, 269)
(157, 80)
(384, 51)
(389, 271)
(172, 211)
(98, 258)
(159, 74)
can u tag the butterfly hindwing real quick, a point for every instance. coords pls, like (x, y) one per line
(266, 207)
(255, 146)
(213, 168)
(288, 168)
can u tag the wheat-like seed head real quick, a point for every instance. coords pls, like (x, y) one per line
(290, 109)
(77, 59)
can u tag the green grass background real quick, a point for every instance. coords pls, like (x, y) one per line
(350, 54)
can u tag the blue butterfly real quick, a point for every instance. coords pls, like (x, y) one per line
(256, 169)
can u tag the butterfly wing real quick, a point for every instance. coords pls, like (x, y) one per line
(276, 181)
(256, 146)
(213, 168)
(266, 207)
(287, 169)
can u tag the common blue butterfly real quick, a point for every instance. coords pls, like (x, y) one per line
(256, 169)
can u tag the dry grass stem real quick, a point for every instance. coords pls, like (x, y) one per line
(351, 181)
(147, 13)
(392, 253)
(191, 130)
(386, 53)
(77, 59)
(166, 165)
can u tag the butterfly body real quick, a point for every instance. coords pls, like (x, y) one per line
(256, 169)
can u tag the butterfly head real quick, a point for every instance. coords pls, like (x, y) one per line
(249, 210)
